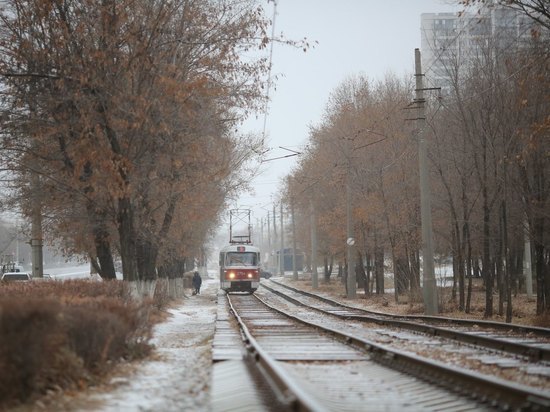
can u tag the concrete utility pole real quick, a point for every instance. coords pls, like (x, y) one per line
(282, 255)
(36, 230)
(274, 227)
(17, 242)
(294, 270)
(261, 244)
(268, 233)
(313, 223)
(268, 242)
(350, 241)
(429, 283)
(275, 262)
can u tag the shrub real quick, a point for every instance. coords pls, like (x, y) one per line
(31, 348)
(60, 334)
(106, 330)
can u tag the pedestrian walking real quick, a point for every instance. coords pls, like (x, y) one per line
(197, 282)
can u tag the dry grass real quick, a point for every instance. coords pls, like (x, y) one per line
(523, 309)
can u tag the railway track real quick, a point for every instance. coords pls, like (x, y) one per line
(530, 342)
(314, 367)
(460, 349)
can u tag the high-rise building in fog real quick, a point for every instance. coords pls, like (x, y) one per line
(451, 42)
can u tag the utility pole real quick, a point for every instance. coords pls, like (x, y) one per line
(17, 242)
(313, 223)
(36, 218)
(275, 262)
(274, 227)
(268, 241)
(261, 244)
(36, 230)
(294, 270)
(350, 241)
(268, 233)
(429, 283)
(282, 254)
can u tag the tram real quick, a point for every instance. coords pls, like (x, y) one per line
(240, 260)
(240, 268)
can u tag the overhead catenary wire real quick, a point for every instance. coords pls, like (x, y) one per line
(269, 67)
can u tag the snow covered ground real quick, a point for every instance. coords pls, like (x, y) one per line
(178, 376)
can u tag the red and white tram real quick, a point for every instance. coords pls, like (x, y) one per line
(240, 268)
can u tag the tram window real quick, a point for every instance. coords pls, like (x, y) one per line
(243, 259)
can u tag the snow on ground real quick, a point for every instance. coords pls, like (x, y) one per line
(178, 376)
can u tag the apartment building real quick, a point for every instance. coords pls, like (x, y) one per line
(450, 42)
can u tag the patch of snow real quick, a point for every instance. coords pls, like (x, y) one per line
(179, 375)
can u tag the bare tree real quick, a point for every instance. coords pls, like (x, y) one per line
(537, 10)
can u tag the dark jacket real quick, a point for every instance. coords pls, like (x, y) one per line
(197, 280)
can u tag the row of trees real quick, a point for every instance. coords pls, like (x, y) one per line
(489, 143)
(119, 122)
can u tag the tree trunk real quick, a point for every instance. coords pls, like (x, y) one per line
(469, 272)
(535, 199)
(368, 272)
(379, 266)
(401, 274)
(345, 275)
(461, 269)
(499, 265)
(541, 270)
(104, 266)
(360, 275)
(328, 267)
(487, 270)
(416, 292)
(127, 240)
(454, 256)
(104, 255)
(146, 259)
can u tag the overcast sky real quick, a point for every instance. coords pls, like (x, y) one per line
(372, 37)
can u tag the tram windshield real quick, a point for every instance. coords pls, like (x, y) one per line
(241, 259)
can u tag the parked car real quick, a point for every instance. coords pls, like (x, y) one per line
(46, 277)
(265, 274)
(16, 277)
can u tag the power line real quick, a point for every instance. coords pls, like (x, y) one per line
(270, 65)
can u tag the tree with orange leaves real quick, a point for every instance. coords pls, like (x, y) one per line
(126, 110)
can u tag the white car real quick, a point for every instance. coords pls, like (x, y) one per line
(16, 277)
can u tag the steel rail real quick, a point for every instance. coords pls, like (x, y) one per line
(499, 392)
(287, 390)
(539, 331)
(531, 352)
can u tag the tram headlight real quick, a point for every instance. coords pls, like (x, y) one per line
(231, 275)
(250, 275)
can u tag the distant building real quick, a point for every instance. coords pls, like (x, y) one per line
(450, 41)
(288, 255)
